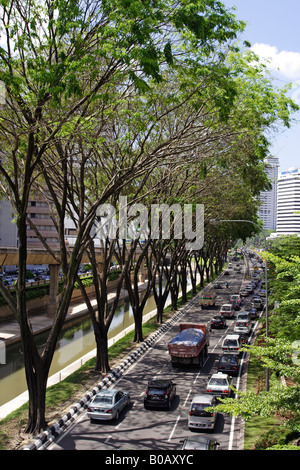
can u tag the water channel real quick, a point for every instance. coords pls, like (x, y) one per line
(74, 343)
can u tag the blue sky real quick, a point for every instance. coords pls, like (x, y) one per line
(273, 30)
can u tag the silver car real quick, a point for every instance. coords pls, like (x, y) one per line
(219, 385)
(242, 327)
(108, 404)
(198, 417)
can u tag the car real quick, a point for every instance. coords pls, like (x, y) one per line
(244, 293)
(242, 327)
(219, 385)
(227, 311)
(236, 298)
(160, 393)
(231, 343)
(199, 443)
(262, 293)
(229, 363)
(253, 312)
(198, 417)
(217, 285)
(218, 321)
(107, 404)
(256, 302)
(235, 305)
(244, 315)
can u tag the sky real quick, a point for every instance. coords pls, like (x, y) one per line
(274, 33)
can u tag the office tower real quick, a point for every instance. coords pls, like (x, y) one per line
(288, 205)
(267, 211)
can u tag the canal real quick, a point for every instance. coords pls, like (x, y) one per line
(75, 342)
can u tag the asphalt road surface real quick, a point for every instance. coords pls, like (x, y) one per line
(140, 429)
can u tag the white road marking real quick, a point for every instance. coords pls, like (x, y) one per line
(174, 427)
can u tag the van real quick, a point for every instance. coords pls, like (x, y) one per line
(199, 418)
(207, 299)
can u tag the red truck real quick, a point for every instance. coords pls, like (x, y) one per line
(190, 345)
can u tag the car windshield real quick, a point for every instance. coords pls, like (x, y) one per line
(241, 323)
(225, 308)
(103, 399)
(218, 382)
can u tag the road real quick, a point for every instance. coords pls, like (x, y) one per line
(140, 429)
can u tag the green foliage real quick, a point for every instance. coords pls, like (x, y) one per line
(279, 353)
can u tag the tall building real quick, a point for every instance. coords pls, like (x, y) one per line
(268, 209)
(288, 206)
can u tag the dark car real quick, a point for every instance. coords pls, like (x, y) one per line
(217, 285)
(229, 363)
(160, 394)
(218, 321)
(235, 305)
(199, 443)
(253, 312)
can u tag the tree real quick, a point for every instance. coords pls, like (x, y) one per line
(59, 57)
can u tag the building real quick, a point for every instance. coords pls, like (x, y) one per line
(288, 202)
(8, 228)
(268, 209)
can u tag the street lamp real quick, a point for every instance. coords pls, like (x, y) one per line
(216, 221)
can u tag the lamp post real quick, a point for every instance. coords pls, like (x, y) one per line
(216, 221)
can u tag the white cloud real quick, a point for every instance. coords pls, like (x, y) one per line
(286, 63)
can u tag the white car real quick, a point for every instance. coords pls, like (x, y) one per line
(219, 385)
(231, 343)
(227, 310)
(242, 327)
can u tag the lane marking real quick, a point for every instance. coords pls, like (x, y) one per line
(174, 427)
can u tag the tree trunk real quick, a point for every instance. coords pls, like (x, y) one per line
(102, 363)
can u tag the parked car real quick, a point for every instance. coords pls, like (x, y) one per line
(199, 418)
(108, 404)
(160, 394)
(218, 321)
(199, 443)
(219, 385)
(229, 364)
(227, 311)
(242, 327)
(231, 343)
